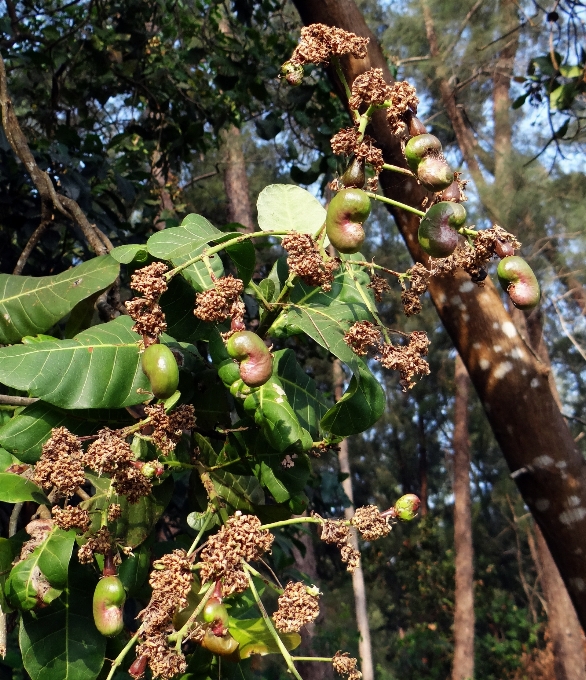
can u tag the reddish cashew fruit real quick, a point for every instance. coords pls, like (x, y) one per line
(407, 506)
(160, 366)
(109, 598)
(425, 158)
(256, 361)
(518, 279)
(437, 235)
(355, 174)
(215, 611)
(346, 214)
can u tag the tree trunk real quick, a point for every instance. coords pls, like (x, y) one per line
(463, 667)
(235, 179)
(510, 381)
(364, 645)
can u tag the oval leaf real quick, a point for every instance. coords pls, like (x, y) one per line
(287, 206)
(15, 489)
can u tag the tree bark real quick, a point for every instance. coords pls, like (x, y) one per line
(364, 643)
(463, 665)
(235, 179)
(511, 382)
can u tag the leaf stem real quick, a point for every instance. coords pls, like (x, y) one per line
(336, 62)
(269, 624)
(472, 233)
(120, 658)
(293, 520)
(180, 634)
(373, 265)
(329, 659)
(266, 581)
(369, 304)
(396, 168)
(397, 204)
(197, 539)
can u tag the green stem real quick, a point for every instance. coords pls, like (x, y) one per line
(364, 121)
(329, 659)
(197, 539)
(269, 625)
(268, 583)
(258, 292)
(336, 62)
(373, 265)
(120, 658)
(396, 168)
(369, 305)
(216, 249)
(276, 306)
(180, 634)
(293, 520)
(397, 204)
(214, 498)
(468, 232)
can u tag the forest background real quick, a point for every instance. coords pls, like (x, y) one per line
(146, 111)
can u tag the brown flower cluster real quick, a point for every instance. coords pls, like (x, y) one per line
(221, 302)
(60, 465)
(112, 455)
(403, 100)
(378, 285)
(305, 261)
(473, 258)
(346, 665)
(114, 512)
(100, 543)
(418, 281)
(168, 427)
(408, 360)
(319, 42)
(164, 662)
(338, 532)
(370, 523)
(369, 88)
(346, 143)
(239, 539)
(71, 517)
(297, 607)
(146, 311)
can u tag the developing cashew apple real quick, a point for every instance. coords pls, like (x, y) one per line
(355, 174)
(256, 361)
(160, 366)
(108, 604)
(424, 157)
(346, 214)
(437, 235)
(518, 279)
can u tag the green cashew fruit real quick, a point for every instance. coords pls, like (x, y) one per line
(346, 213)
(437, 235)
(214, 611)
(407, 506)
(292, 72)
(424, 157)
(224, 645)
(518, 279)
(256, 361)
(160, 366)
(355, 174)
(109, 598)
(229, 372)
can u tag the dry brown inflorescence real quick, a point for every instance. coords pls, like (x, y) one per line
(71, 517)
(221, 302)
(370, 523)
(320, 42)
(60, 465)
(239, 539)
(297, 606)
(379, 285)
(100, 543)
(305, 260)
(146, 311)
(418, 277)
(338, 532)
(346, 665)
(168, 427)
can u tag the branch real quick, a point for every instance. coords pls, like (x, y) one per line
(16, 401)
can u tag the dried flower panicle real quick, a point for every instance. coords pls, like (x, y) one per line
(338, 532)
(131, 482)
(108, 453)
(149, 281)
(38, 530)
(100, 543)
(319, 42)
(221, 302)
(239, 539)
(407, 359)
(362, 337)
(369, 88)
(114, 512)
(346, 665)
(145, 311)
(378, 285)
(60, 465)
(370, 523)
(403, 100)
(71, 517)
(297, 607)
(168, 428)
(418, 277)
(163, 661)
(305, 260)
(346, 143)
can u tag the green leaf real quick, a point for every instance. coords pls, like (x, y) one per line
(283, 482)
(242, 492)
(243, 256)
(130, 253)
(134, 570)
(24, 586)
(289, 207)
(138, 519)
(61, 642)
(572, 71)
(301, 391)
(7, 554)
(99, 368)
(518, 103)
(274, 415)
(5, 459)
(255, 638)
(562, 97)
(183, 243)
(31, 305)
(15, 489)
(178, 303)
(25, 433)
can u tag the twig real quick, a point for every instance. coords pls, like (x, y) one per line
(567, 331)
(120, 658)
(461, 28)
(14, 515)
(193, 180)
(30, 246)
(16, 401)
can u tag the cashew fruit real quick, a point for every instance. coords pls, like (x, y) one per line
(355, 174)
(346, 214)
(416, 127)
(224, 645)
(160, 366)
(108, 604)
(407, 506)
(518, 279)
(256, 361)
(424, 157)
(292, 72)
(229, 372)
(437, 235)
(452, 193)
(214, 610)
